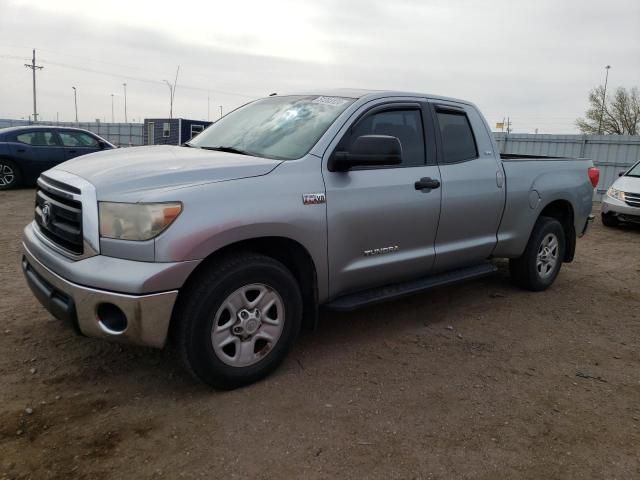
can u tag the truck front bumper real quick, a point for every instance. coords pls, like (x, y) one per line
(105, 297)
(137, 319)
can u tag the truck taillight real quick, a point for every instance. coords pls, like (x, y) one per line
(594, 176)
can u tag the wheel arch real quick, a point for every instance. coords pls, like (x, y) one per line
(287, 251)
(562, 210)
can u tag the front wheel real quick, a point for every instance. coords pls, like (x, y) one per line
(9, 174)
(539, 265)
(609, 220)
(237, 320)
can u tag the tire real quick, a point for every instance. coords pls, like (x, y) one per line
(10, 175)
(233, 296)
(537, 268)
(609, 220)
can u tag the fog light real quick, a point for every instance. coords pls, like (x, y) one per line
(111, 318)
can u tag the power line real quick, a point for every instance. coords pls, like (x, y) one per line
(146, 80)
(123, 76)
(33, 68)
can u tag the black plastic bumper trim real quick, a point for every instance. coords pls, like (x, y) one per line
(58, 303)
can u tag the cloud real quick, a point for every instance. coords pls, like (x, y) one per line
(532, 61)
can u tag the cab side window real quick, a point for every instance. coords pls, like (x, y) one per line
(405, 125)
(458, 142)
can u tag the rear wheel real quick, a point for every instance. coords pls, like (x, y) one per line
(10, 176)
(609, 220)
(238, 320)
(539, 265)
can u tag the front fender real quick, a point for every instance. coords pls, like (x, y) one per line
(219, 215)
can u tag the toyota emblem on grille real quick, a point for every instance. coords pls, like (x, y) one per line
(46, 213)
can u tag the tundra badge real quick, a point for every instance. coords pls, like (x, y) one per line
(380, 251)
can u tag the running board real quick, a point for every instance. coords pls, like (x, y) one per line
(392, 292)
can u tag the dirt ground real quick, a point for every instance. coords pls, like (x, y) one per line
(480, 380)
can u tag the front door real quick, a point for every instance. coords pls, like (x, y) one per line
(473, 191)
(381, 226)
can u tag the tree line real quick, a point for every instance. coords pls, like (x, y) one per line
(617, 114)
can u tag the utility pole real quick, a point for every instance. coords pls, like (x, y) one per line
(75, 101)
(33, 68)
(125, 102)
(220, 111)
(508, 125)
(113, 118)
(208, 108)
(604, 98)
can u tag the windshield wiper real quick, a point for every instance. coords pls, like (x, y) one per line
(227, 149)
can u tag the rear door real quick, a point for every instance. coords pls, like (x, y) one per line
(78, 143)
(37, 150)
(381, 229)
(473, 193)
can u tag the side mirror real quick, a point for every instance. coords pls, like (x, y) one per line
(368, 150)
(102, 145)
(621, 174)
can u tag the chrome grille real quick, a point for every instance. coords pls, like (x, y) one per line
(632, 199)
(59, 217)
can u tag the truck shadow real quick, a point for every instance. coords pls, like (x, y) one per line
(101, 364)
(436, 306)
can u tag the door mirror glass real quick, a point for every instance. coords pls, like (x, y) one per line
(368, 150)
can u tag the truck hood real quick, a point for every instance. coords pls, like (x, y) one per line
(140, 169)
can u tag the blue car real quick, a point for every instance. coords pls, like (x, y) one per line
(26, 152)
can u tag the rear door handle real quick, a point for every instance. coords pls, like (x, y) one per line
(20, 150)
(72, 151)
(427, 183)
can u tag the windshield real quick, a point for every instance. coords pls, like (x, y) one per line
(275, 127)
(635, 171)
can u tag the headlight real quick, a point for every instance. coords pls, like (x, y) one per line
(136, 221)
(617, 194)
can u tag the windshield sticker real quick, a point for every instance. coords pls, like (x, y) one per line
(334, 101)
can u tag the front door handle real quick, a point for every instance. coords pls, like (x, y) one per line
(427, 183)
(73, 151)
(20, 150)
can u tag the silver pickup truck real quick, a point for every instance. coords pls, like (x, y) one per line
(228, 245)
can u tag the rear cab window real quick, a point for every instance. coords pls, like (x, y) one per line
(457, 138)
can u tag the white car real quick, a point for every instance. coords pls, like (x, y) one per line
(622, 201)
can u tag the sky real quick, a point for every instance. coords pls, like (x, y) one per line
(531, 61)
